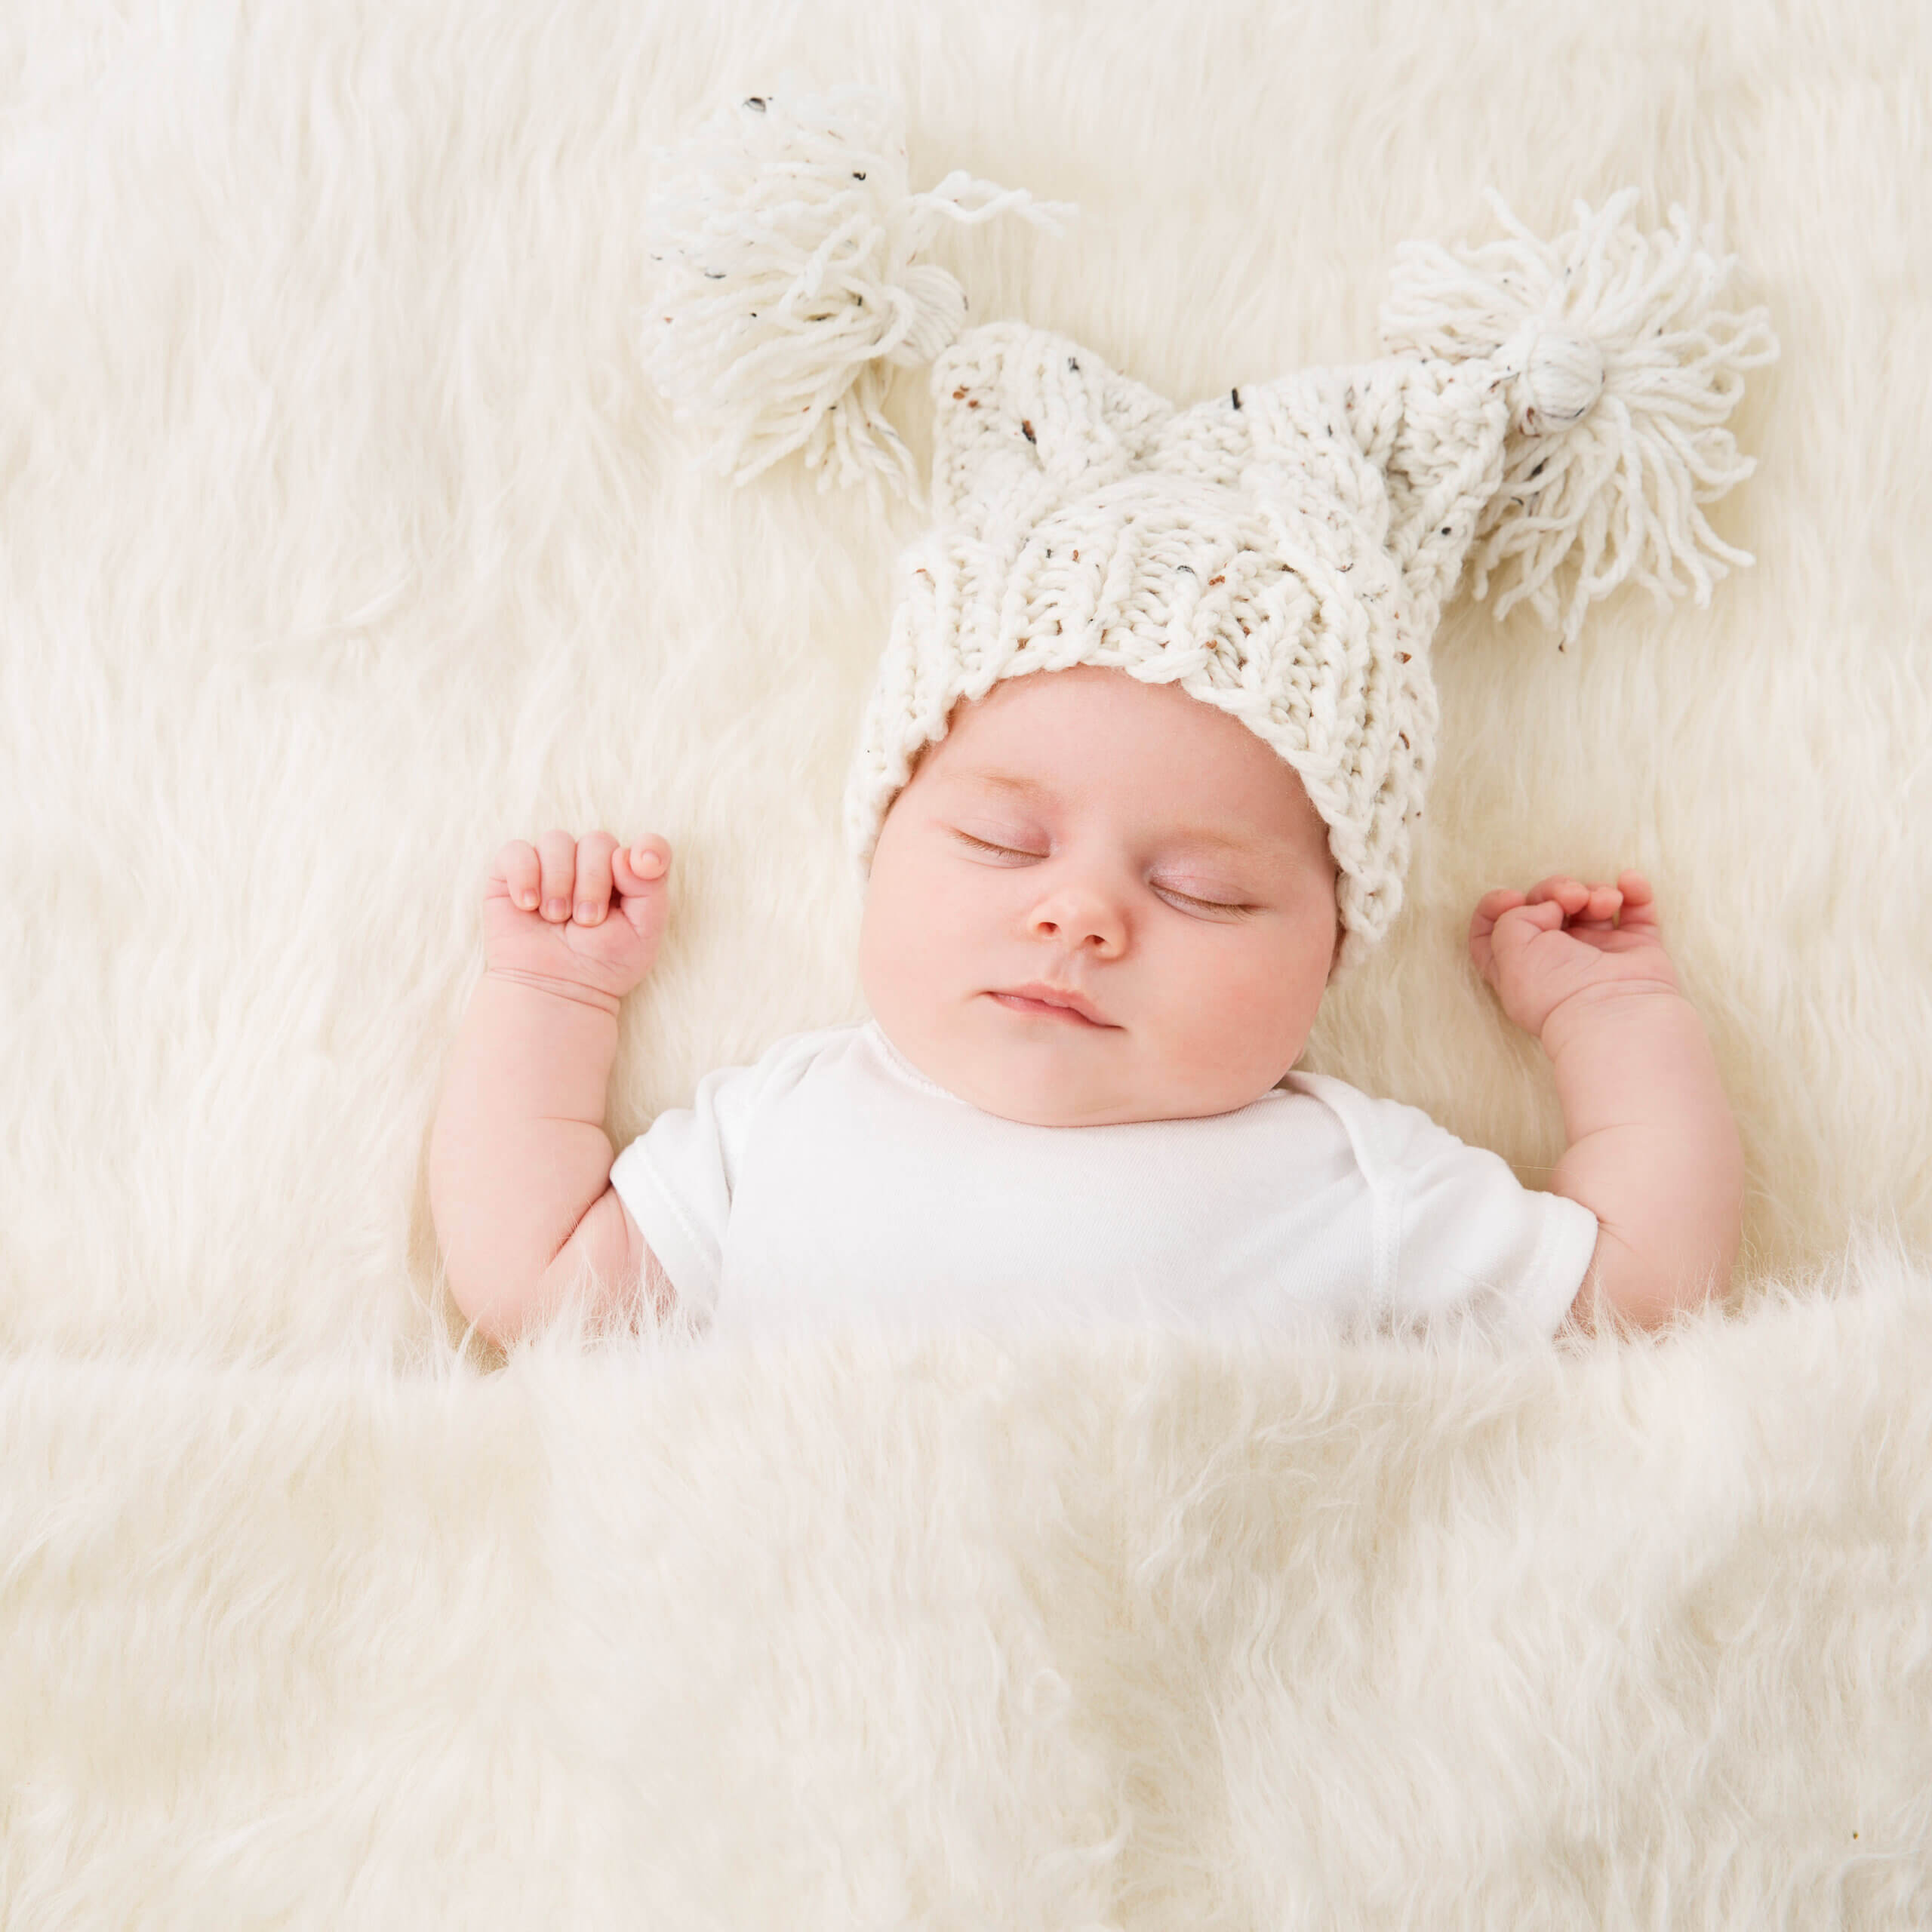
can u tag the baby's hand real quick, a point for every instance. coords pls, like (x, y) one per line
(549, 915)
(1562, 938)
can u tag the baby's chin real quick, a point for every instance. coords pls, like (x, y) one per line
(1054, 1073)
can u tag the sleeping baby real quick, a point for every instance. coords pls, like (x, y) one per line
(1099, 921)
(1137, 782)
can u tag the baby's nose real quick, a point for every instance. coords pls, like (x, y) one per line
(1081, 920)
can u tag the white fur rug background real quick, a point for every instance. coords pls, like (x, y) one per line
(342, 536)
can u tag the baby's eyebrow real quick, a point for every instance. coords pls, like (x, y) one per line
(1206, 837)
(1007, 781)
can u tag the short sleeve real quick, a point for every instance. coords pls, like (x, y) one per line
(677, 1176)
(1471, 1239)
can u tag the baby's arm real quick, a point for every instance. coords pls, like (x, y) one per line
(519, 1162)
(1654, 1151)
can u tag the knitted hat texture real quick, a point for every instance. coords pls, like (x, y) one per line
(1548, 414)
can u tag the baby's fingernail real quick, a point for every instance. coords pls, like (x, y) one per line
(586, 914)
(527, 900)
(557, 909)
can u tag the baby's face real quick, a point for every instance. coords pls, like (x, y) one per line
(1082, 831)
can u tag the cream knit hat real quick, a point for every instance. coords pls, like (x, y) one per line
(1549, 414)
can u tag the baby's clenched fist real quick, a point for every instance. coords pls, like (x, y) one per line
(1564, 939)
(584, 915)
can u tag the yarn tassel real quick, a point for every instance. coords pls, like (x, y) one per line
(1619, 375)
(790, 239)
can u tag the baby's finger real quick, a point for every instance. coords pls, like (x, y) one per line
(1640, 899)
(593, 877)
(644, 863)
(1546, 916)
(516, 866)
(558, 850)
(1559, 889)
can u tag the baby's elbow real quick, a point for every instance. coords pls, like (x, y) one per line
(500, 1303)
(605, 1269)
(497, 1311)
(1625, 1291)
(604, 1273)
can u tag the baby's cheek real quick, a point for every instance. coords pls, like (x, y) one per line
(1269, 993)
(911, 932)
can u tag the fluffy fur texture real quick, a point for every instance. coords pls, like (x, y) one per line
(342, 536)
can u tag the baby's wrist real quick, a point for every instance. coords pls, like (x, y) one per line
(1623, 1005)
(577, 992)
(1641, 1063)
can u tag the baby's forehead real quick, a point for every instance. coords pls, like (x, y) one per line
(1147, 807)
(1091, 733)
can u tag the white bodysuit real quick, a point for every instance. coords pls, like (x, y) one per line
(832, 1184)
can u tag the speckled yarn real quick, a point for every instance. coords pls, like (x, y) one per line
(1245, 550)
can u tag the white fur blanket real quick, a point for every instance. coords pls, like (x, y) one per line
(342, 536)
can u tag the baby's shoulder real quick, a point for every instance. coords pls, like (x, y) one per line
(742, 1086)
(1385, 1133)
(791, 1054)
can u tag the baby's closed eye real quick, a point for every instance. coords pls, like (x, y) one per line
(1009, 848)
(1206, 896)
(1212, 905)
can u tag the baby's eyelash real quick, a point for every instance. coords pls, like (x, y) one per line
(987, 845)
(1166, 891)
(1212, 905)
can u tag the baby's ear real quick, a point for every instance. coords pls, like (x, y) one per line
(1028, 421)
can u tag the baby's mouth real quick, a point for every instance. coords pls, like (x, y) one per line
(1048, 1003)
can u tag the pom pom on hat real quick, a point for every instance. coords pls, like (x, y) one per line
(1619, 373)
(790, 239)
